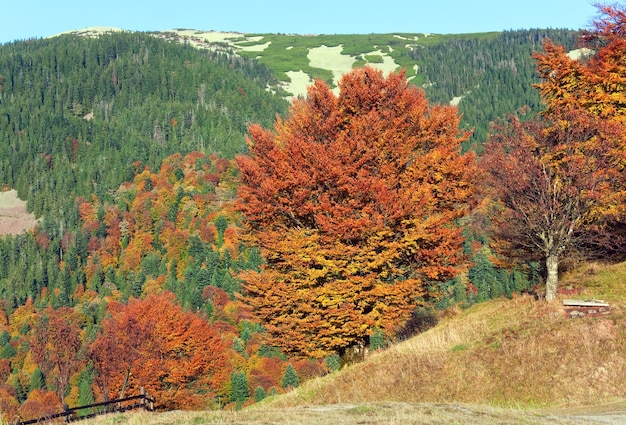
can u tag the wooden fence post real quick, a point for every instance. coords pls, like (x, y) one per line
(67, 413)
(143, 400)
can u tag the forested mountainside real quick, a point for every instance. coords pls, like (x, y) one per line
(488, 74)
(76, 112)
(491, 75)
(122, 146)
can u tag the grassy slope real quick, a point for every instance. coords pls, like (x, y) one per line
(510, 353)
(502, 361)
(283, 53)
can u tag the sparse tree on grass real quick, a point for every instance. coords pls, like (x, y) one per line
(556, 183)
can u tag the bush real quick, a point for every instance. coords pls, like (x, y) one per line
(333, 362)
(422, 319)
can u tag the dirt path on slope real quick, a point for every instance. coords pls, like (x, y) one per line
(380, 413)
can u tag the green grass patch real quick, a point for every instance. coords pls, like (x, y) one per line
(374, 58)
(289, 52)
(459, 347)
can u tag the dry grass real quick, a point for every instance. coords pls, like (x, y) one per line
(602, 281)
(14, 218)
(516, 353)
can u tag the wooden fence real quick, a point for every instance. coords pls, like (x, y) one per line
(70, 414)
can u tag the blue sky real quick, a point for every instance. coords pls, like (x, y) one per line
(23, 19)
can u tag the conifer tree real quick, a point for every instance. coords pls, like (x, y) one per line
(290, 378)
(239, 392)
(8, 351)
(85, 393)
(37, 380)
(259, 394)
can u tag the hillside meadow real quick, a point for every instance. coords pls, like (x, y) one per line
(517, 361)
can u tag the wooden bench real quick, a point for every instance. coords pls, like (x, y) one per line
(586, 308)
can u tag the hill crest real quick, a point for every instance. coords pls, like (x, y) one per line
(325, 55)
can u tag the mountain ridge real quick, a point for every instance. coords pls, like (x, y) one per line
(324, 55)
(486, 75)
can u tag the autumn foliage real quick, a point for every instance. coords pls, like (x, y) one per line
(353, 200)
(56, 345)
(149, 305)
(556, 184)
(176, 355)
(352, 207)
(559, 179)
(596, 83)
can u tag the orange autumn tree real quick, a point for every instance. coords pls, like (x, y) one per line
(176, 355)
(353, 201)
(597, 81)
(56, 344)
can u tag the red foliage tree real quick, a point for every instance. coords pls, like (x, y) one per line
(353, 201)
(40, 403)
(56, 345)
(9, 406)
(176, 355)
(557, 185)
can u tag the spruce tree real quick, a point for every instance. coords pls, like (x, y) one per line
(7, 352)
(5, 338)
(377, 340)
(85, 394)
(259, 394)
(290, 378)
(239, 392)
(37, 380)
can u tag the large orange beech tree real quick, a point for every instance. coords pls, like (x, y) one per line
(176, 355)
(354, 201)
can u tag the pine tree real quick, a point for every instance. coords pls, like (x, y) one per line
(377, 340)
(259, 394)
(5, 338)
(85, 393)
(221, 223)
(8, 352)
(333, 362)
(37, 380)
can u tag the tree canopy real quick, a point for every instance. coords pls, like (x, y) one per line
(559, 179)
(353, 201)
(596, 81)
(556, 184)
(176, 355)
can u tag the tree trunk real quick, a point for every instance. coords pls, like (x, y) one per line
(552, 279)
